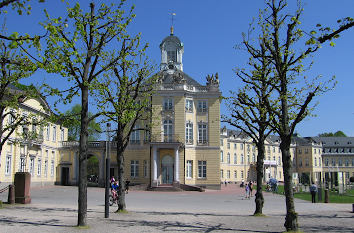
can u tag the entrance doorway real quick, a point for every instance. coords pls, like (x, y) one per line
(64, 176)
(167, 169)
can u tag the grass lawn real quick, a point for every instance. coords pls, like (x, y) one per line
(334, 197)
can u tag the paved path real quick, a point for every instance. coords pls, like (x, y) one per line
(54, 209)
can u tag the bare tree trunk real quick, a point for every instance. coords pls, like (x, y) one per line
(260, 162)
(120, 160)
(82, 195)
(291, 223)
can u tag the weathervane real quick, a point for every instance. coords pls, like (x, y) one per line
(172, 14)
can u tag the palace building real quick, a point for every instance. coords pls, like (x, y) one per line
(185, 145)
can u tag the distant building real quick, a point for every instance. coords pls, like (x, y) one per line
(36, 153)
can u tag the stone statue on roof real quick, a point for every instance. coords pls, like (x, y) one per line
(213, 80)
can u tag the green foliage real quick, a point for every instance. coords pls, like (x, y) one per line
(72, 120)
(330, 134)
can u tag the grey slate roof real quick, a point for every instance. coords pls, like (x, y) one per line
(335, 141)
(173, 39)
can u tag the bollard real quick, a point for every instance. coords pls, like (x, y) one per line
(326, 200)
(11, 196)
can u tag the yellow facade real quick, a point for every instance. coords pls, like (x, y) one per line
(38, 151)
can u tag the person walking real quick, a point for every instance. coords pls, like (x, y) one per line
(250, 186)
(313, 190)
(247, 190)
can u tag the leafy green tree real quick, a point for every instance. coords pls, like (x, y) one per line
(72, 122)
(330, 134)
(14, 67)
(80, 48)
(290, 102)
(125, 100)
(247, 106)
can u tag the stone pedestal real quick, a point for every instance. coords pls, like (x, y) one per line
(22, 187)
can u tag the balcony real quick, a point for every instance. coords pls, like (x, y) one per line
(166, 138)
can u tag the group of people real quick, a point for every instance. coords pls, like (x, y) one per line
(248, 188)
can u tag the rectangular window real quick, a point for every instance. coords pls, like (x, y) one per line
(8, 165)
(235, 146)
(333, 162)
(135, 135)
(347, 162)
(241, 174)
(46, 168)
(189, 169)
(228, 145)
(306, 150)
(221, 142)
(21, 167)
(241, 146)
(52, 168)
(31, 168)
(228, 158)
(39, 167)
(299, 151)
(242, 159)
(315, 162)
(300, 162)
(221, 174)
(221, 156)
(202, 169)
(47, 135)
(228, 174)
(307, 162)
(134, 168)
(202, 106)
(145, 168)
(235, 158)
(254, 157)
(168, 104)
(340, 162)
(54, 133)
(202, 133)
(235, 174)
(189, 133)
(62, 134)
(189, 105)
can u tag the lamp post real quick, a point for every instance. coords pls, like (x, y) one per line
(106, 205)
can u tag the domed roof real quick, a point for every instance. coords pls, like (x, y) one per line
(172, 38)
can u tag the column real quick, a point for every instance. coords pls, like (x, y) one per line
(154, 166)
(176, 165)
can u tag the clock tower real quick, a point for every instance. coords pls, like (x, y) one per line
(171, 53)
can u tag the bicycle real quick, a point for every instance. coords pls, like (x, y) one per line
(113, 198)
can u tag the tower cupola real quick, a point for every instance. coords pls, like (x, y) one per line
(171, 53)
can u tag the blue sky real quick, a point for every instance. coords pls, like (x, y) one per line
(210, 29)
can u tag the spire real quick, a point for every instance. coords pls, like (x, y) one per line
(171, 30)
(172, 14)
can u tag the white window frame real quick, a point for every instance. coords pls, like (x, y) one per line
(46, 168)
(8, 163)
(189, 133)
(135, 135)
(62, 134)
(39, 167)
(202, 106)
(168, 104)
(222, 174)
(21, 167)
(228, 158)
(134, 168)
(202, 133)
(189, 169)
(235, 158)
(202, 169)
(235, 174)
(48, 132)
(228, 174)
(189, 105)
(168, 130)
(31, 168)
(221, 156)
(54, 138)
